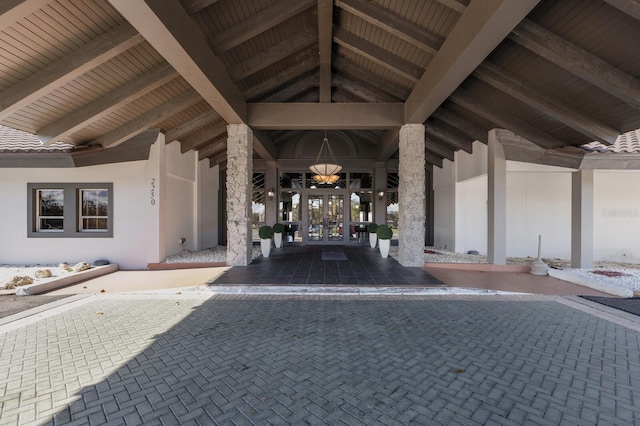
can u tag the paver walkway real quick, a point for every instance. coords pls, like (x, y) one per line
(202, 359)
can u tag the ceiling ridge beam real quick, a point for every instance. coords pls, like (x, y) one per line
(257, 24)
(378, 55)
(11, 11)
(578, 61)
(280, 79)
(462, 124)
(481, 28)
(393, 24)
(148, 119)
(202, 138)
(505, 120)
(187, 127)
(630, 7)
(172, 33)
(130, 91)
(67, 68)
(362, 74)
(437, 131)
(551, 105)
(325, 40)
(272, 55)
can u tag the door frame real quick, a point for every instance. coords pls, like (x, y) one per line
(305, 215)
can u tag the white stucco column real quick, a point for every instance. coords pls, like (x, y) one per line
(239, 188)
(582, 219)
(497, 202)
(411, 196)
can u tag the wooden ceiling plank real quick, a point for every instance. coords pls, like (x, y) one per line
(134, 89)
(187, 127)
(148, 119)
(217, 145)
(380, 56)
(264, 146)
(551, 105)
(195, 6)
(312, 116)
(280, 79)
(392, 23)
(468, 128)
(432, 146)
(505, 120)
(216, 159)
(202, 138)
(12, 11)
(362, 74)
(78, 62)
(293, 89)
(481, 28)
(630, 7)
(272, 55)
(458, 6)
(363, 90)
(325, 39)
(578, 61)
(454, 139)
(258, 23)
(172, 32)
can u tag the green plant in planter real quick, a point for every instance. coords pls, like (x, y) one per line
(278, 228)
(384, 232)
(265, 232)
(372, 228)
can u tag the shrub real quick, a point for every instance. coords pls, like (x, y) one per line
(384, 232)
(265, 232)
(372, 228)
(278, 228)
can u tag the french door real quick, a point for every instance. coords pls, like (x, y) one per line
(325, 218)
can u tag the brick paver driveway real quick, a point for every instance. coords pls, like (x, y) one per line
(196, 359)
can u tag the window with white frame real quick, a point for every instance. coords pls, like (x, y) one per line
(70, 210)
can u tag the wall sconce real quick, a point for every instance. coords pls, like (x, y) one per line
(270, 193)
(380, 194)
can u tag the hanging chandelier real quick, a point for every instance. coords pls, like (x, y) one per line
(325, 168)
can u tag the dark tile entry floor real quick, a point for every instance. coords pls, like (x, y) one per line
(303, 265)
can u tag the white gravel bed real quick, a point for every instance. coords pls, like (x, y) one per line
(7, 272)
(213, 254)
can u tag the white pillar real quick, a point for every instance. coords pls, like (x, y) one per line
(239, 192)
(582, 219)
(411, 195)
(497, 202)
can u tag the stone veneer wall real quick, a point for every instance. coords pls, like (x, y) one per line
(239, 171)
(411, 193)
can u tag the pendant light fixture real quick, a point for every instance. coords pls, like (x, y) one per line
(325, 168)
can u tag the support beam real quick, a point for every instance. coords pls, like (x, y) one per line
(450, 137)
(582, 219)
(505, 120)
(630, 7)
(264, 146)
(392, 23)
(468, 128)
(325, 39)
(497, 202)
(313, 116)
(171, 31)
(148, 119)
(109, 102)
(78, 62)
(12, 11)
(217, 146)
(187, 127)
(578, 61)
(480, 29)
(433, 159)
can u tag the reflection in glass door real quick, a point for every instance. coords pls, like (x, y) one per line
(326, 218)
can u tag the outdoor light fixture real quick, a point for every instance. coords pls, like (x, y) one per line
(270, 193)
(325, 168)
(380, 194)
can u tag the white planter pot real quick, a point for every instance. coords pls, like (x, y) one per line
(373, 239)
(265, 245)
(384, 247)
(277, 239)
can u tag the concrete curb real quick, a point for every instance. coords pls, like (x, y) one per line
(59, 282)
(345, 290)
(585, 282)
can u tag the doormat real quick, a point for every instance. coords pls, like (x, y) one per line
(333, 254)
(631, 304)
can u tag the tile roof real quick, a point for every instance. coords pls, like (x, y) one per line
(626, 143)
(12, 140)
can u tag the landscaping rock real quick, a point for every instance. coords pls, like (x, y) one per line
(101, 262)
(43, 273)
(64, 266)
(82, 266)
(18, 281)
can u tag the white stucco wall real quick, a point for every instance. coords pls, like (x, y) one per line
(444, 206)
(471, 215)
(208, 187)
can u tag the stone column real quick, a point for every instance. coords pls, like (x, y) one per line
(239, 192)
(497, 202)
(411, 203)
(582, 219)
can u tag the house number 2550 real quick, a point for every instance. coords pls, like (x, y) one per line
(153, 191)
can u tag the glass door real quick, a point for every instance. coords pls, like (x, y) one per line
(326, 218)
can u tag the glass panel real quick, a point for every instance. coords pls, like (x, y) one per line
(361, 213)
(316, 216)
(51, 224)
(95, 224)
(51, 202)
(360, 180)
(291, 180)
(289, 207)
(335, 217)
(340, 181)
(94, 202)
(257, 213)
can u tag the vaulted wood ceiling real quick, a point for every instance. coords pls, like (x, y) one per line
(96, 73)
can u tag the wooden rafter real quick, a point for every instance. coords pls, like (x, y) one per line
(362, 90)
(293, 89)
(359, 73)
(325, 39)
(630, 7)
(434, 130)
(281, 79)
(461, 124)
(12, 11)
(217, 145)
(438, 148)
(202, 138)
(195, 6)
(195, 123)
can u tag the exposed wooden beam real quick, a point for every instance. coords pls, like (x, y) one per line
(217, 145)
(134, 89)
(505, 120)
(434, 146)
(195, 6)
(258, 23)
(272, 55)
(196, 141)
(281, 79)
(433, 159)
(376, 54)
(551, 105)
(172, 32)
(388, 144)
(148, 119)
(468, 128)
(264, 146)
(457, 5)
(216, 159)
(363, 90)
(439, 132)
(362, 74)
(293, 89)
(68, 68)
(12, 11)
(311, 116)
(187, 127)
(480, 29)
(630, 7)
(578, 61)
(325, 39)
(392, 23)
